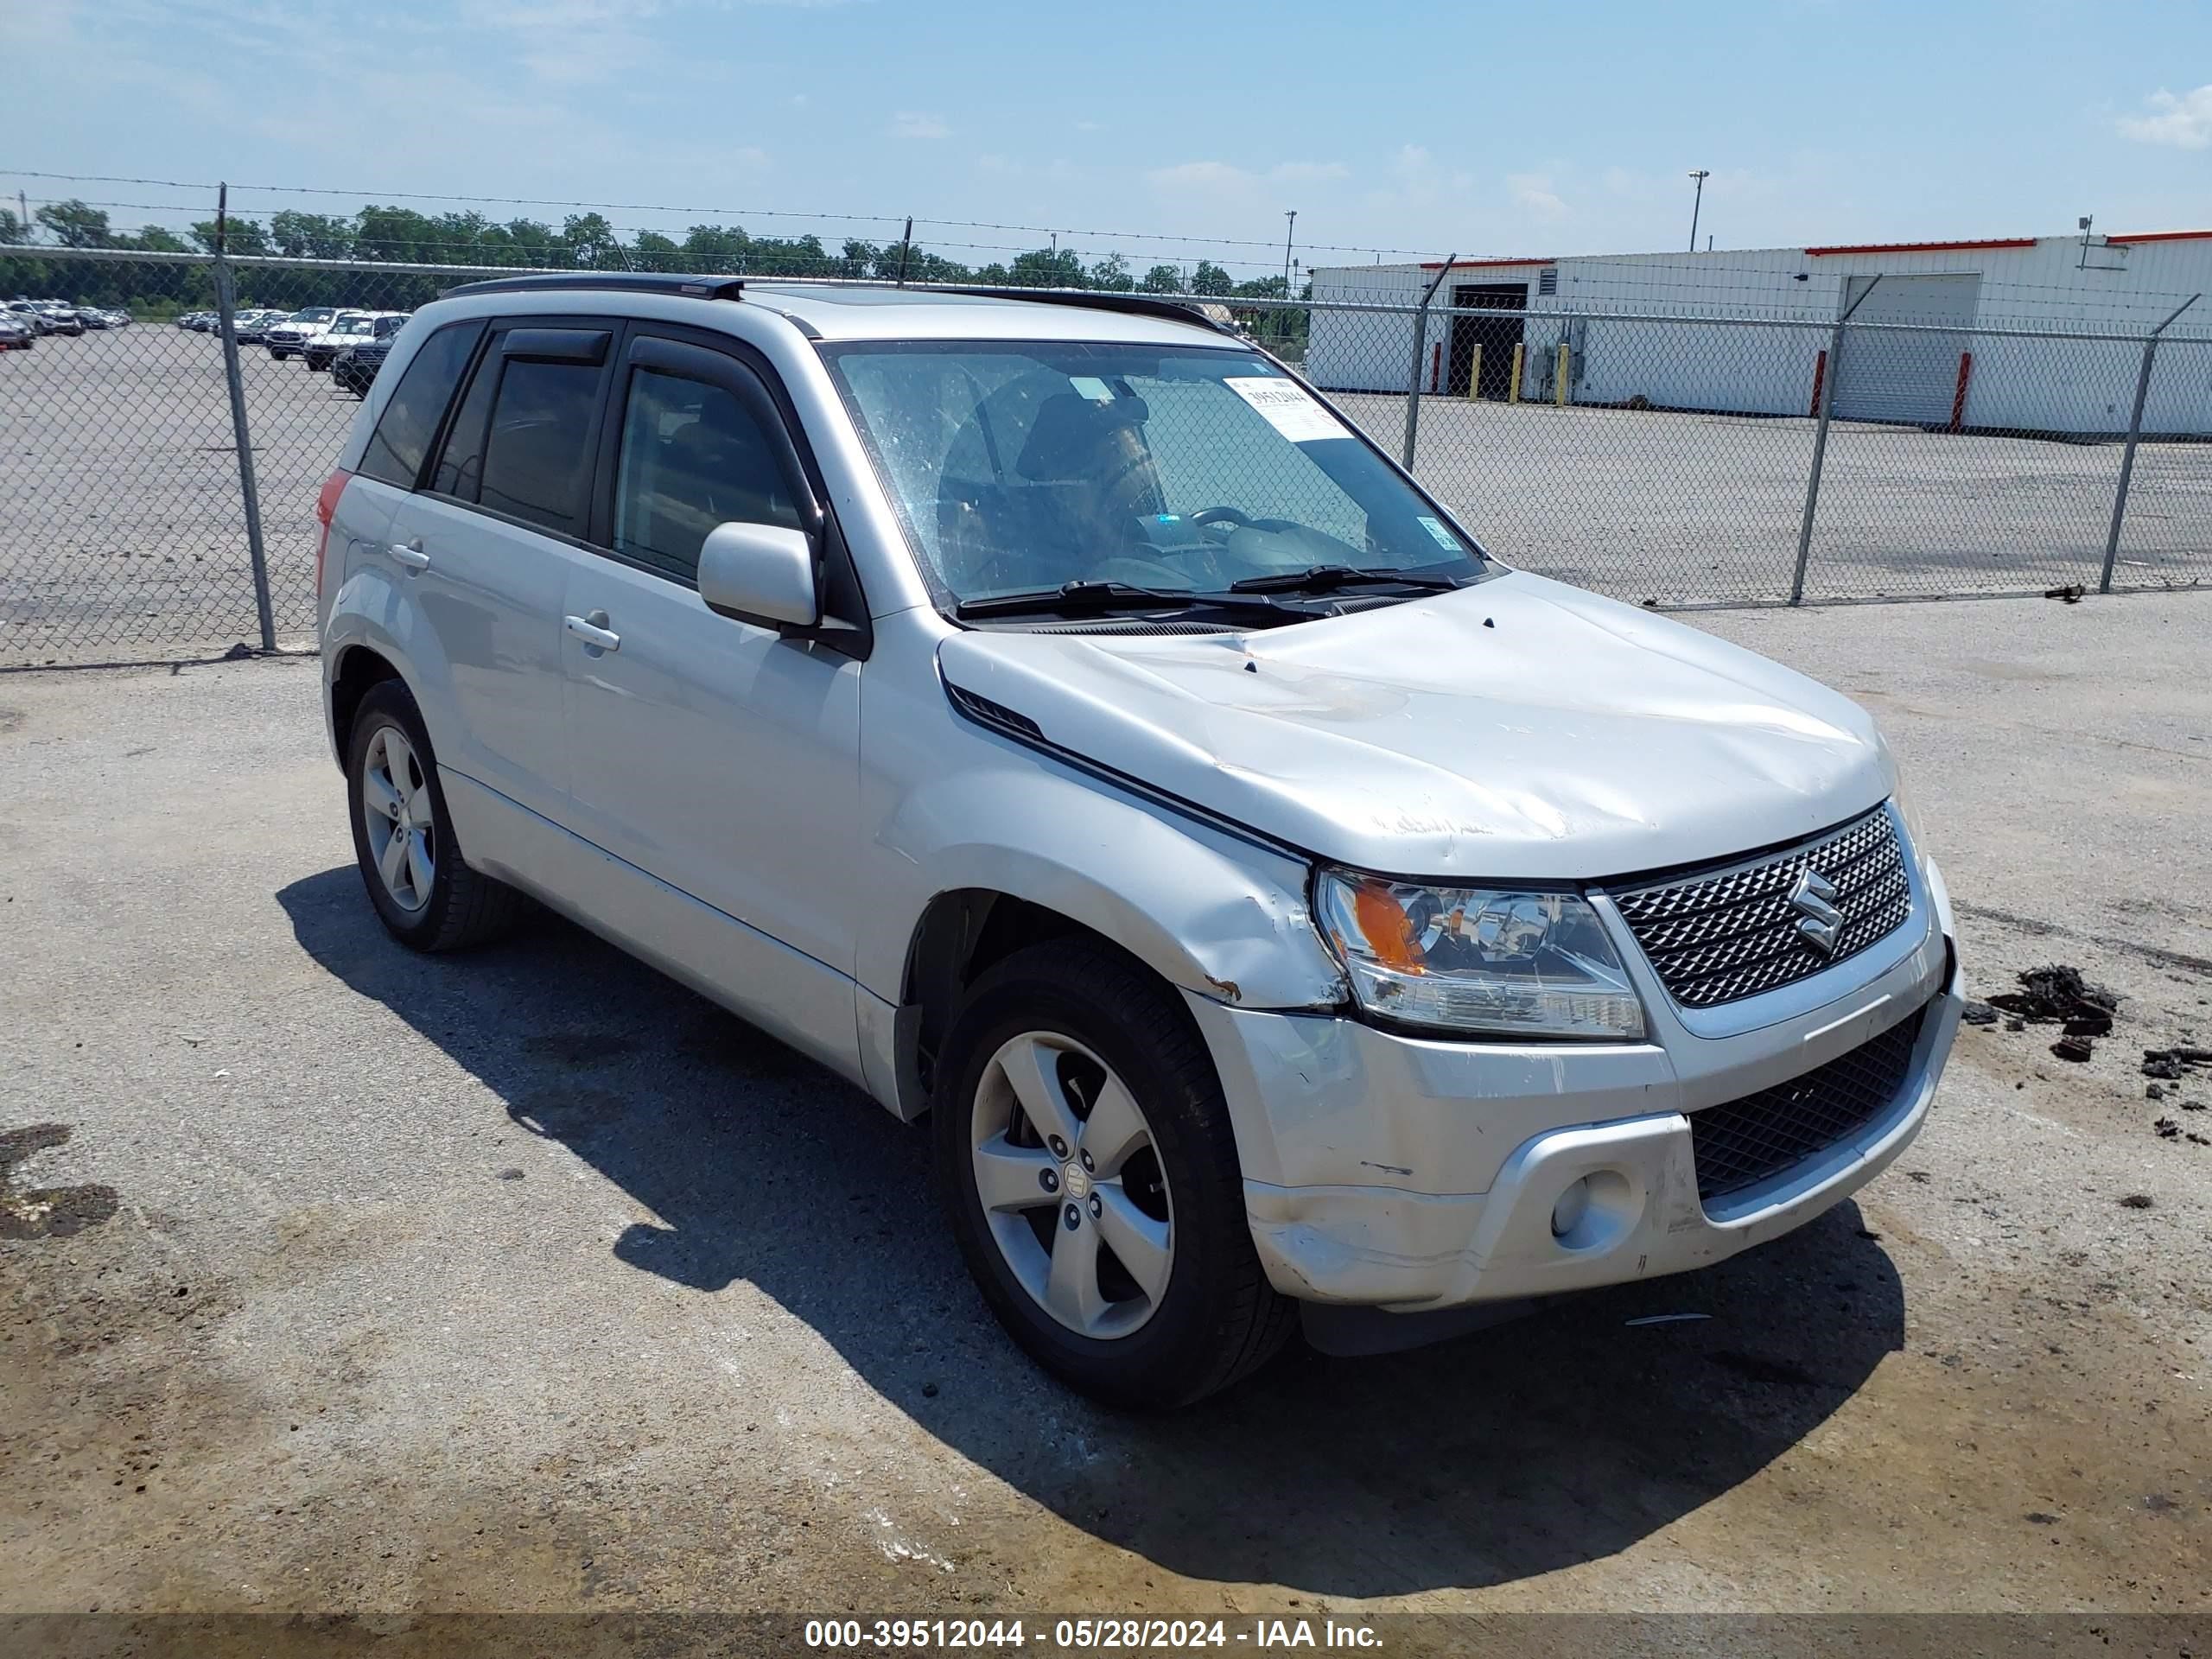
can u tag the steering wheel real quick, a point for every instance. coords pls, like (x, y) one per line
(1223, 515)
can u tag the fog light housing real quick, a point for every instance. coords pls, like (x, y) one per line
(1573, 1205)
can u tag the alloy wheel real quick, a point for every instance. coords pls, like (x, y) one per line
(1071, 1184)
(401, 820)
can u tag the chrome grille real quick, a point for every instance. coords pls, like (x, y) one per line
(1748, 1140)
(1733, 933)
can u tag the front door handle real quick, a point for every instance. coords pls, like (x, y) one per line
(593, 630)
(410, 554)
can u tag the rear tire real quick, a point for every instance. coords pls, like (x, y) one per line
(1189, 1312)
(423, 889)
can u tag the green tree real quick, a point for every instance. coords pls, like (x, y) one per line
(591, 242)
(155, 239)
(246, 235)
(651, 250)
(922, 266)
(309, 236)
(1045, 268)
(13, 232)
(865, 259)
(715, 248)
(1162, 279)
(1210, 279)
(1112, 274)
(75, 224)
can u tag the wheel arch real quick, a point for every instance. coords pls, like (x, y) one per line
(358, 666)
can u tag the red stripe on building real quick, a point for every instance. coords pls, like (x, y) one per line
(1933, 247)
(2163, 236)
(1482, 264)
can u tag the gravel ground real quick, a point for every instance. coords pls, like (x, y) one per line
(332, 1279)
(122, 535)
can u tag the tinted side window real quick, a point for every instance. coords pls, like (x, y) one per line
(402, 440)
(692, 457)
(535, 459)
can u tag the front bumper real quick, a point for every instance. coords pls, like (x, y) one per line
(1411, 1173)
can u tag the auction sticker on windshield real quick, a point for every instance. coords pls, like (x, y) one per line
(1285, 405)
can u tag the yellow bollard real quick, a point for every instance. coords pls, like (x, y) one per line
(1559, 382)
(1475, 376)
(1513, 394)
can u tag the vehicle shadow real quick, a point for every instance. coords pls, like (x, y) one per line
(1562, 1438)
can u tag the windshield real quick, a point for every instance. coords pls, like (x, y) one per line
(1026, 466)
(352, 326)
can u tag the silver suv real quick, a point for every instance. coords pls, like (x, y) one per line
(1057, 719)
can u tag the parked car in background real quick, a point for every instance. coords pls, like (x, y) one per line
(198, 322)
(1282, 911)
(349, 330)
(26, 312)
(251, 328)
(285, 339)
(63, 317)
(17, 335)
(93, 318)
(354, 369)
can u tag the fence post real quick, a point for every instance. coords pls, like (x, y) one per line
(1824, 391)
(2134, 435)
(1421, 351)
(225, 312)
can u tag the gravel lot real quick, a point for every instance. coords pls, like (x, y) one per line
(1687, 508)
(332, 1279)
(122, 536)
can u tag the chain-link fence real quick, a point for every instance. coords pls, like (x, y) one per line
(158, 482)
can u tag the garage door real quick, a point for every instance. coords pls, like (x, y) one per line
(1909, 378)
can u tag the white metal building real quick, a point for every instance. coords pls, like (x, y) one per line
(1606, 310)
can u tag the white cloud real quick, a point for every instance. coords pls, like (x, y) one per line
(1223, 176)
(2181, 122)
(912, 124)
(1308, 172)
(1533, 193)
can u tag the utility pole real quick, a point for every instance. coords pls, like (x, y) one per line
(1701, 175)
(1290, 214)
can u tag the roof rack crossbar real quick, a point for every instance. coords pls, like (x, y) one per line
(1135, 305)
(628, 281)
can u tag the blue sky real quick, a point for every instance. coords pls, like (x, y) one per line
(1536, 130)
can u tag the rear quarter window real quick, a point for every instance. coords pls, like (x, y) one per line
(401, 442)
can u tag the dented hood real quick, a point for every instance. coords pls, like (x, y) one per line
(1519, 728)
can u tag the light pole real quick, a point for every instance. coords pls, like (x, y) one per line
(1290, 214)
(1701, 175)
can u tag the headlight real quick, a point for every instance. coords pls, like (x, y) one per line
(1518, 964)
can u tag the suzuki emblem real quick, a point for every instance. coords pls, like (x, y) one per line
(1822, 926)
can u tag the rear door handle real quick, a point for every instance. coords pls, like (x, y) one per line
(593, 630)
(409, 553)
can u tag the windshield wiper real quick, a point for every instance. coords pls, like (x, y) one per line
(1091, 598)
(1323, 578)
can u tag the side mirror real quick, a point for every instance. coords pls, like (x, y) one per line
(761, 573)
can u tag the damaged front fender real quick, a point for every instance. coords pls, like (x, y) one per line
(1211, 913)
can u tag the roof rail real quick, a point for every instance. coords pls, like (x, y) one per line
(626, 282)
(1135, 305)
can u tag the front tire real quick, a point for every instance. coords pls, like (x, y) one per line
(424, 891)
(1091, 1178)
(280, 356)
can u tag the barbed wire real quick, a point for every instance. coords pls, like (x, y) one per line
(744, 213)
